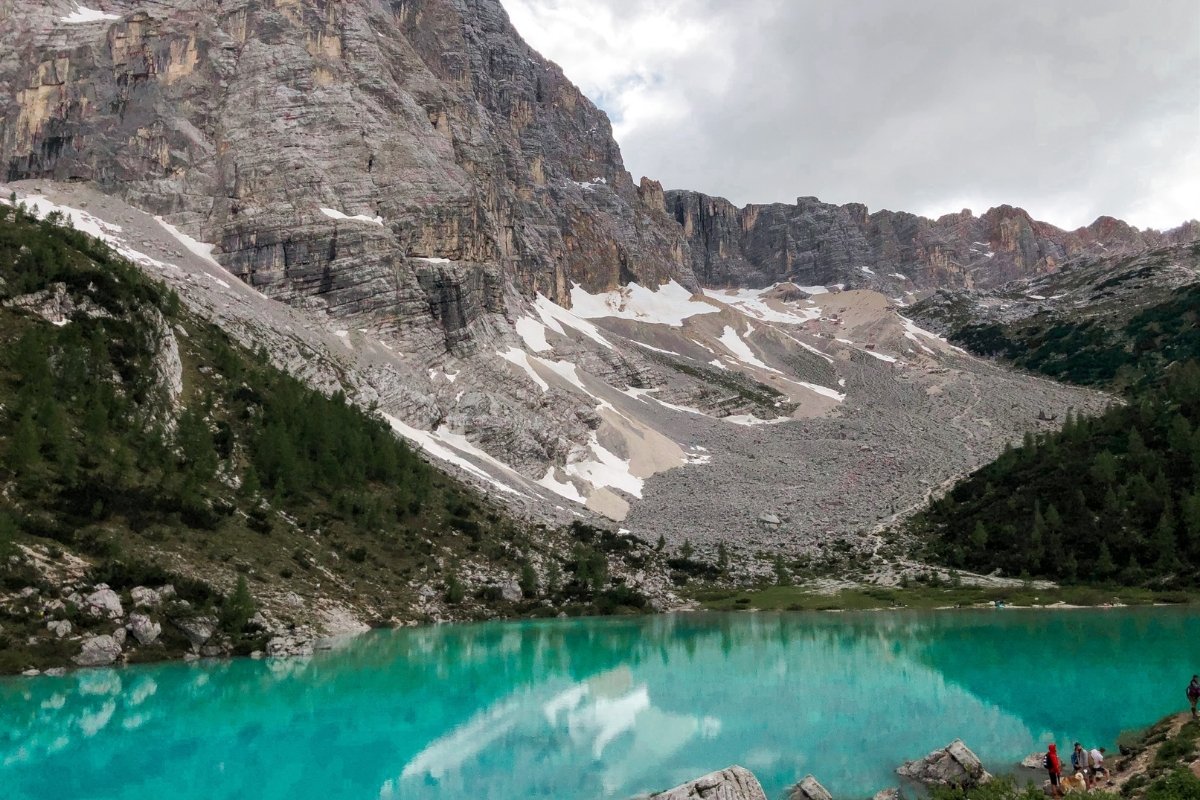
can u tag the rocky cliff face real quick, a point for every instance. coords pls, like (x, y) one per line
(401, 161)
(813, 243)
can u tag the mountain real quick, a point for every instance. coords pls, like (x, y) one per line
(402, 202)
(819, 243)
(141, 448)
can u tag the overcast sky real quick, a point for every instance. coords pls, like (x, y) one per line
(1068, 108)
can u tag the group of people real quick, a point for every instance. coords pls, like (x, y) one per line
(1087, 766)
(1087, 769)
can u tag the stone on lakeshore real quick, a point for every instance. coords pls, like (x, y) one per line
(888, 794)
(809, 789)
(198, 630)
(511, 592)
(98, 651)
(1033, 761)
(144, 597)
(59, 627)
(731, 783)
(952, 765)
(119, 636)
(144, 629)
(104, 602)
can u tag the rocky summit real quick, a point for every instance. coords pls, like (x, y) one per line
(896, 252)
(403, 202)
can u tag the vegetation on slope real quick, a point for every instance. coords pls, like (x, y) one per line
(1112, 499)
(246, 472)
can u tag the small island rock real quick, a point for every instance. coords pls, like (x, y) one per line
(809, 789)
(952, 765)
(732, 783)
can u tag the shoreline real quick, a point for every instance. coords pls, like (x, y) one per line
(308, 647)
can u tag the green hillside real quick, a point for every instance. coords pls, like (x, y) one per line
(1111, 499)
(247, 472)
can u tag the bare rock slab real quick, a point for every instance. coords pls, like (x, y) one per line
(731, 783)
(98, 651)
(952, 765)
(809, 789)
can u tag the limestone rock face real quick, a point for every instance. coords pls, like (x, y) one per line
(403, 162)
(809, 789)
(98, 651)
(952, 765)
(813, 243)
(732, 783)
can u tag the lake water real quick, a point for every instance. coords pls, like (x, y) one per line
(599, 708)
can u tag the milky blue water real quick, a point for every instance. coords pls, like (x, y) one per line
(599, 708)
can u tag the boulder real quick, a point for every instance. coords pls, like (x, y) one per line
(285, 646)
(888, 794)
(809, 789)
(198, 630)
(144, 629)
(119, 636)
(511, 592)
(731, 783)
(1033, 761)
(952, 765)
(59, 627)
(144, 597)
(98, 651)
(104, 602)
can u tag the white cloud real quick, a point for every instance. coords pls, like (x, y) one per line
(1069, 110)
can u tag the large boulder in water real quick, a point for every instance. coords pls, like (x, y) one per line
(732, 783)
(952, 765)
(809, 789)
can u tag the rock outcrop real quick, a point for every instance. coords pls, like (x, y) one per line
(809, 789)
(98, 651)
(952, 765)
(813, 243)
(732, 783)
(403, 163)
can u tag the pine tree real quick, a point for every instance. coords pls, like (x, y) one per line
(1105, 568)
(237, 609)
(528, 580)
(24, 451)
(686, 551)
(722, 559)
(553, 577)
(979, 537)
(782, 576)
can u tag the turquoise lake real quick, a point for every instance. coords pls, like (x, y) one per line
(599, 708)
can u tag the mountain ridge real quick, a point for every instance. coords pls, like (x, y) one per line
(812, 242)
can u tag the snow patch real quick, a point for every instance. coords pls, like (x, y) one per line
(198, 248)
(554, 316)
(533, 333)
(333, 213)
(83, 14)
(867, 270)
(606, 469)
(750, 419)
(750, 302)
(443, 445)
(670, 304)
(521, 359)
(561, 488)
(741, 351)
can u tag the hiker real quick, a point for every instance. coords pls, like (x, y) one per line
(1098, 768)
(1079, 760)
(1054, 767)
(1193, 693)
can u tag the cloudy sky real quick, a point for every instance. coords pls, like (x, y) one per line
(1069, 108)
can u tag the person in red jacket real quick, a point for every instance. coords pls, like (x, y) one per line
(1054, 767)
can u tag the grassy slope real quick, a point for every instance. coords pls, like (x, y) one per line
(252, 474)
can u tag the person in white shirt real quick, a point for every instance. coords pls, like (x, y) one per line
(1098, 768)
